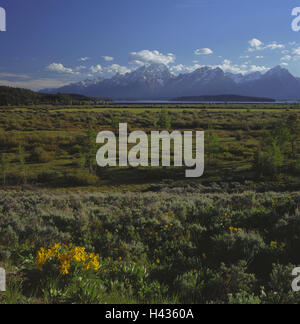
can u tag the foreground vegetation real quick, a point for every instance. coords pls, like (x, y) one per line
(71, 232)
(176, 247)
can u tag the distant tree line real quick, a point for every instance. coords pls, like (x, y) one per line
(16, 96)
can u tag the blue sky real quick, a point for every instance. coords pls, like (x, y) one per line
(49, 43)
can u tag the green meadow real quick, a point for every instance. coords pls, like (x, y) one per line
(54, 141)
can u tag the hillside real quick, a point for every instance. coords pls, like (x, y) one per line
(19, 96)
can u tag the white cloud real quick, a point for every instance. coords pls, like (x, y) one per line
(259, 57)
(108, 58)
(58, 67)
(84, 59)
(255, 44)
(180, 68)
(226, 66)
(146, 56)
(284, 64)
(203, 51)
(108, 71)
(80, 67)
(116, 68)
(255, 68)
(275, 46)
(296, 51)
(244, 57)
(13, 75)
(286, 58)
(96, 69)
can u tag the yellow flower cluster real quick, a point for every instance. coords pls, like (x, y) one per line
(275, 244)
(65, 255)
(170, 214)
(234, 229)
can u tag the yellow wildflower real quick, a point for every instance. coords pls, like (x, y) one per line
(64, 269)
(273, 244)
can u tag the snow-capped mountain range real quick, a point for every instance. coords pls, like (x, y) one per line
(155, 81)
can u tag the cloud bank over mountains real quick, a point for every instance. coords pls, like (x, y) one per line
(252, 61)
(255, 58)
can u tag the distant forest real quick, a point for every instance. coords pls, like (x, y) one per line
(16, 96)
(225, 98)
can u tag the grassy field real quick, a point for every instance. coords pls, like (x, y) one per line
(71, 232)
(54, 142)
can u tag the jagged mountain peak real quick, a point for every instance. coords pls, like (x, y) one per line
(206, 74)
(88, 82)
(278, 70)
(154, 69)
(206, 69)
(241, 78)
(153, 76)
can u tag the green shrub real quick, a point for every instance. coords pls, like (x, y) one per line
(243, 298)
(280, 288)
(39, 155)
(80, 179)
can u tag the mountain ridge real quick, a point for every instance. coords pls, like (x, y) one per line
(155, 81)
